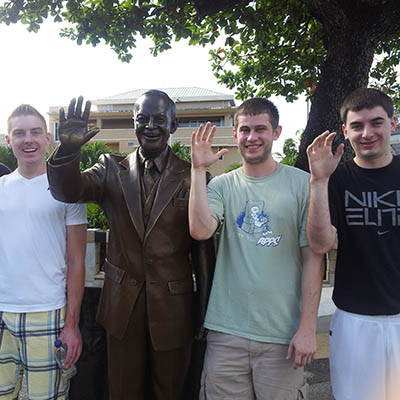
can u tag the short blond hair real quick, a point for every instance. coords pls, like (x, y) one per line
(24, 109)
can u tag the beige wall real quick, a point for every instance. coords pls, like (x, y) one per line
(223, 136)
(229, 158)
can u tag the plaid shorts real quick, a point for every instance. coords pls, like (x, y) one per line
(27, 348)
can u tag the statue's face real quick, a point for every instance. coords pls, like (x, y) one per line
(154, 123)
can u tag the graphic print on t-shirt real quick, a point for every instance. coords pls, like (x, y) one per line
(255, 221)
(371, 208)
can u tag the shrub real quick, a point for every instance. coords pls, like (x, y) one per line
(90, 153)
(96, 217)
(181, 151)
(7, 157)
(233, 166)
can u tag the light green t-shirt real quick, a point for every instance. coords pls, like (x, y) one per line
(256, 291)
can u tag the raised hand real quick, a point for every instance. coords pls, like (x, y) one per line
(73, 130)
(202, 155)
(321, 160)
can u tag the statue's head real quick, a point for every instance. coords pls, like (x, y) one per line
(154, 115)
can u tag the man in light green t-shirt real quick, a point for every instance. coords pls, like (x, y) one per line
(262, 312)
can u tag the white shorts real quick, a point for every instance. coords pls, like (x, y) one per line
(365, 356)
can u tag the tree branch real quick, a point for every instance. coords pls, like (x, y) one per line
(387, 22)
(211, 7)
(328, 12)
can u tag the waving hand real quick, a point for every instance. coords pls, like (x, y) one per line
(73, 129)
(202, 155)
(321, 160)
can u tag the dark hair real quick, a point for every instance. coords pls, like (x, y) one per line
(258, 106)
(155, 92)
(366, 98)
(24, 109)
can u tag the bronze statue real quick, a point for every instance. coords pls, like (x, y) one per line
(148, 305)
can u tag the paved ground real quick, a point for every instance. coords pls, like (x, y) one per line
(317, 372)
(318, 378)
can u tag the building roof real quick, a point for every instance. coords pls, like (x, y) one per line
(178, 95)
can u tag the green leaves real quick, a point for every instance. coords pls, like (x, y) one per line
(96, 217)
(290, 152)
(384, 71)
(91, 152)
(181, 151)
(7, 157)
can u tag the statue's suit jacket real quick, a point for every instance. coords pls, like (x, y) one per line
(159, 258)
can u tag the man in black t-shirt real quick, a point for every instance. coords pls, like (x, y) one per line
(4, 170)
(359, 201)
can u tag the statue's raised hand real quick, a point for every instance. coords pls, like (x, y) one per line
(73, 131)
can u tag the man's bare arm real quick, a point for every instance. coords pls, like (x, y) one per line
(76, 250)
(320, 231)
(304, 343)
(201, 223)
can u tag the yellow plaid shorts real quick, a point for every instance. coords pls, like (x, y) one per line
(27, 348)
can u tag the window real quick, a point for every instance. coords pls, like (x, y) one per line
(105, 108)
(196, 122)
(120, 123)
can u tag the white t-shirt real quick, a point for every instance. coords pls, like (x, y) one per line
(33, 244)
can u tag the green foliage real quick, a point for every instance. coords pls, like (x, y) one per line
(7, 157)
(290, 150)
(275, 48)
(384, 74)
(96, 217)
(90, 153)
(233, 166)
(181, 150)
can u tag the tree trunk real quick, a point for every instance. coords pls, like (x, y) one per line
(347, 65)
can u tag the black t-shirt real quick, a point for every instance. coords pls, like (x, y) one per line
(365, 209)
(4, 170)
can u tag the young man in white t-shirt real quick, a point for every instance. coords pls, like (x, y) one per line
(42, 267)
(262, 312)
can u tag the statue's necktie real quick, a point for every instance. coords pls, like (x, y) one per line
(149, 176)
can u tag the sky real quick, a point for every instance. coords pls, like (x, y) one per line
(45, 70)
